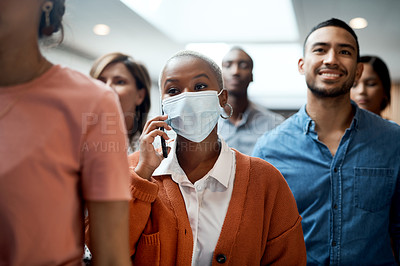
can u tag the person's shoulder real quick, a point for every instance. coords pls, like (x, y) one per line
(255, 163)
(264, 111)
(288, 127)
(373, 121)
(74, 79)
(260, 170)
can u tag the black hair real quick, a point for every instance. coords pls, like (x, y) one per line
(56, 15)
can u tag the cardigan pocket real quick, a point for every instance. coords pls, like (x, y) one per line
(148, 250)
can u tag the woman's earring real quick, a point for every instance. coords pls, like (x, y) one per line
(47, 8)
(230, 113)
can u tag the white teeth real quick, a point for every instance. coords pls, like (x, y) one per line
(330, 75)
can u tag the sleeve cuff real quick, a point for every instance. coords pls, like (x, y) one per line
(142, 189)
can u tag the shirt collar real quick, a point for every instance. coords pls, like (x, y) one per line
(356, 118)
(170, 166)
(309, 124)
(305, 120)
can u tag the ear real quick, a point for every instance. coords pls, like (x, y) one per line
(141, 94)
(223, 98)
(300, 66)
(359, 70)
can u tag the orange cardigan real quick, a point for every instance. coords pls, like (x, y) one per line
(262, 225)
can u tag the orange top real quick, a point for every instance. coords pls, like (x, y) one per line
(62, 142)
(262, 225)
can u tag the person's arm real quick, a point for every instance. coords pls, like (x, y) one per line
(109, 232)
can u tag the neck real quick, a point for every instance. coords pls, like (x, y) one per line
(239, 104)
(330, 113)
(197, 159)
(332, 116)
(20, 63)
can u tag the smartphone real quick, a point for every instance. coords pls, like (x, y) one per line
(163, 145)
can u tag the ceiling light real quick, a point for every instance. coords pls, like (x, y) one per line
(358, 23)
(101, 29)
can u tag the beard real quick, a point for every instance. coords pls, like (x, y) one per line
(322, 92)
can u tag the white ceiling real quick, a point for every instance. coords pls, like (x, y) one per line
(272, 31)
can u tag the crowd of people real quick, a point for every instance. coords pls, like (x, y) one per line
(238, 185)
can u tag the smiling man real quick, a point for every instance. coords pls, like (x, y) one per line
(341, 162)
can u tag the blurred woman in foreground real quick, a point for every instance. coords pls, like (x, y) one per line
(55, 157)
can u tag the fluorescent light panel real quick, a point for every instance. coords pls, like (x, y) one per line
(220, 21)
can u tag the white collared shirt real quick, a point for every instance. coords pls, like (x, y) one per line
(206, 200)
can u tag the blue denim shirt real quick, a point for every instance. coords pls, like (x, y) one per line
(350, 202)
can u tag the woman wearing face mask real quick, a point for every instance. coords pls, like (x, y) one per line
(206, 203)
(372, 91)
(131, 81)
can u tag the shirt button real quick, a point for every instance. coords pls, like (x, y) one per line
(221, 258)
(335, 206)
(335, 170)
(333, 243)
(199, 187)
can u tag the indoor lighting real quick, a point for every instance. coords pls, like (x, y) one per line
(358, 23)
(101, 29)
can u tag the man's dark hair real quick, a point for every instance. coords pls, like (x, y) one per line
(335, 23)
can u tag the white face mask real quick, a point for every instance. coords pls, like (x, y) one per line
(193, 115)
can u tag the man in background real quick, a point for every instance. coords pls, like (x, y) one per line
(248, 121)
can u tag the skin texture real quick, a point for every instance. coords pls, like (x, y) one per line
(368, 92)
(182, 74)
(118, 77)
(330, 68)
(20, 62)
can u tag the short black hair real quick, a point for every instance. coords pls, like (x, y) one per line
(335, 23)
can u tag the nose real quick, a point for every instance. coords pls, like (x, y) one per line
(330, 57)
(234, 69)
(360, 88)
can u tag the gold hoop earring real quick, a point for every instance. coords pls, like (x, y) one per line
(47, 8)
(230, 113)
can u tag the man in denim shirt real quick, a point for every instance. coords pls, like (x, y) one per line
(342, 163)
